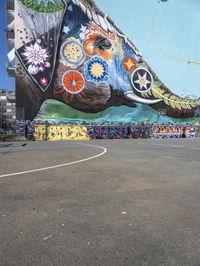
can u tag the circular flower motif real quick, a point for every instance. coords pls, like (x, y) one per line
(72, 53)
(96, 70)
(73, 82)
(36, 55)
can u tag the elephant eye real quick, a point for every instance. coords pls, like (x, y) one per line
(103, 43)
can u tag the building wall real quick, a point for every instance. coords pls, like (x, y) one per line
(10, 34)
(70, 51)
(7, 110)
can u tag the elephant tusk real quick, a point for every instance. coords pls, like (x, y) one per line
(131, 96)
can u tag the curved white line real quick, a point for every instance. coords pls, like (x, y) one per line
(60, 165)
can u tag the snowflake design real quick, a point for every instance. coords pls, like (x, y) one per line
(36, 58)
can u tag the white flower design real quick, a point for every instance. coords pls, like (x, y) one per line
(35, 55)
(37, 58)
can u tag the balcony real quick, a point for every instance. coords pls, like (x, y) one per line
(10, 44)
(11, 68)
(10, 15)
(11, 26)
(10, 34)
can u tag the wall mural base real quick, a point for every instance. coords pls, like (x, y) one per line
(52, 110)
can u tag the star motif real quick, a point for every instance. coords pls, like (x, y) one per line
(83, 28)
(44, 82)
(142, 81)
(66, 29)
(129, 64)
(83, 32)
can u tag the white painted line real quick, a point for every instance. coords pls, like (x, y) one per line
(164, 144)
(157, 144)
(176, 146)
(61, 165)
(193, 148)
(47, 237)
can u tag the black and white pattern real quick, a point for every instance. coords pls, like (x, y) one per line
(142, 80)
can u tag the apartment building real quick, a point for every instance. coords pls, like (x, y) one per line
(7, 109)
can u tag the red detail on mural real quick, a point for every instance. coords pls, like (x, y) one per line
(96, 29)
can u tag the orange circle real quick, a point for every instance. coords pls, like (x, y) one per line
(89, 48)
(129, 64)
(73, 82)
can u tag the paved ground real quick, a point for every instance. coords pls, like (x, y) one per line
(138, 204)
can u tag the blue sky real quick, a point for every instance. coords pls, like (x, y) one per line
(5, 81)
(177, 27)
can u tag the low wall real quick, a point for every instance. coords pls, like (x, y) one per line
(176, 131)
(44, 132)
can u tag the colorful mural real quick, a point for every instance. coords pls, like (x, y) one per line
(42, 132)
(72, 52)
(176, 132)
(63, 132)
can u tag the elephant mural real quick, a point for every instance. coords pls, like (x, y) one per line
(71, 51)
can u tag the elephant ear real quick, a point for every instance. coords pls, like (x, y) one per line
(38, 26)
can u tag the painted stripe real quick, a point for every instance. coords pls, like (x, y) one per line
(60, 165)
(176, 146)
(157, 144)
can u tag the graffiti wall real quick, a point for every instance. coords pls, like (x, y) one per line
(176, 132)
(43, 132)
(72, 52)
(63, 132)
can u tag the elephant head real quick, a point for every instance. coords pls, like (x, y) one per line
(69, 50)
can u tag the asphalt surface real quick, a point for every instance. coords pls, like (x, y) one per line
(138, 204)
